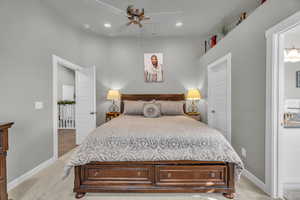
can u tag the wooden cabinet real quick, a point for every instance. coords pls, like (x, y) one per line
(110, 115)
(3, 151)
(196, 116)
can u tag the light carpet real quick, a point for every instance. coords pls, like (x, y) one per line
(48, 185)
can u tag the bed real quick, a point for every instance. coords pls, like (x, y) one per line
(170, 154)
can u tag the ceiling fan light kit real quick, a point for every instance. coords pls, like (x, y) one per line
(136, 16)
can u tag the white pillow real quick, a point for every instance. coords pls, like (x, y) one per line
(133, 107)
(151, 110)
(171, 107)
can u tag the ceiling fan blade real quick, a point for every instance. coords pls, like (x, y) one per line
(111, 8)
(129, 23)
(166, 13)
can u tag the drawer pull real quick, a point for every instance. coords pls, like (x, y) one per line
(139, 173)
(96, 173)
(169, 175)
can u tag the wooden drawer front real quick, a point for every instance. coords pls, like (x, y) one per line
(191, 175)
(118, 175)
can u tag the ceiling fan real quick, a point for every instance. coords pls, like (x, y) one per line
(134, 15)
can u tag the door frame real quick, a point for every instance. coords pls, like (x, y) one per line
(56, 61)
(275, 64)
(227, 59)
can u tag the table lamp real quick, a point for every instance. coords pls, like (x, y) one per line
(113, 95)
(193, 95)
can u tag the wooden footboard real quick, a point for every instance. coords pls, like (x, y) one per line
(158, 177)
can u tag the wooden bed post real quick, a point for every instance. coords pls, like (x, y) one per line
(77, 182)
(231, 182)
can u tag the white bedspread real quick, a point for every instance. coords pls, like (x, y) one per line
(135, 138)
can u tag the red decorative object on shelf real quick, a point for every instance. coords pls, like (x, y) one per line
(213, 41)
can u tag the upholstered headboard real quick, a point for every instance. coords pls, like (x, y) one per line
(150, 97)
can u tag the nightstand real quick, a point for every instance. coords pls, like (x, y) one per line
(196, 116)
(111, 115)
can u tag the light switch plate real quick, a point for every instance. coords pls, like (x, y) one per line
(38, 105)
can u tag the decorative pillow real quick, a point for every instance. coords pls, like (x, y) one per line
(171, 107)
(151, 110)
(133, 107)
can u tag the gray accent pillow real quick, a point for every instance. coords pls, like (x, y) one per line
(133, 107)
(151, 110)
(172, 107)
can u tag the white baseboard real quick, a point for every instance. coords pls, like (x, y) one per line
(291, 186)
(291, 181)
(29, 174)
(256, 181)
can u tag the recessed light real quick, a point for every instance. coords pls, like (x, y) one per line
(86, 26)
(107, 25)
(179, 24)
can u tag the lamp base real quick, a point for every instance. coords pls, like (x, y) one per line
(193, 108)
(113, 108)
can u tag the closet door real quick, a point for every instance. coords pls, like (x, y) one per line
(218, 98)
(85, 103)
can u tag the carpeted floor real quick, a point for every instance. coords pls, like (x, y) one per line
(47, 185)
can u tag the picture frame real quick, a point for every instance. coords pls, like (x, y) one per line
(153, 67)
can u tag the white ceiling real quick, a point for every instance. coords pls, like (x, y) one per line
(200, 17)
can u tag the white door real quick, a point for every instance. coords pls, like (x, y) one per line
(85, 102)
(219, 103)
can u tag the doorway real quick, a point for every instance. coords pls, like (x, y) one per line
(74, 104)
(66, 109)
(282, 149)
(219, 95)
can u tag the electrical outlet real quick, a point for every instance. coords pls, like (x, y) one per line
(244, 152)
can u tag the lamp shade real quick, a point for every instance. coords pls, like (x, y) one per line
(113, 95)
(193, 94)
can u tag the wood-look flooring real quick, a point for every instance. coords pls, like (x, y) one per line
(66, 141)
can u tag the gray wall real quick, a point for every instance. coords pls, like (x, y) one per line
(32, 34)
(65, 76)
(247, 43)
(291, 91)
(125, 70)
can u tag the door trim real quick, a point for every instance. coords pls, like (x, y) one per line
(227, 59)
(272, 145)
(55, 62)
